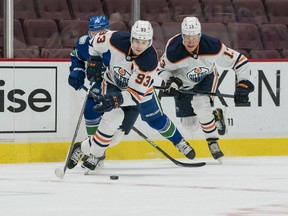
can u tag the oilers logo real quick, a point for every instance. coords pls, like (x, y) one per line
(197, 74)
(121, 77)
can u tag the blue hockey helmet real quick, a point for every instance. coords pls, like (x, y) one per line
(97, 23)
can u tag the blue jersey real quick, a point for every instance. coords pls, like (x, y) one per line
(80, 54)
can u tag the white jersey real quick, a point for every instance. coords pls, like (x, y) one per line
(191, 68)
(132, 74)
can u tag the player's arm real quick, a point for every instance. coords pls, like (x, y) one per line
(239, 63)
(77, 68)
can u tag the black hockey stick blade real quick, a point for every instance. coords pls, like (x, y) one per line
(178, 163)
(198, 92)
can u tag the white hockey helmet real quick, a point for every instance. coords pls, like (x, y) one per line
(142, 30)
(191, 26)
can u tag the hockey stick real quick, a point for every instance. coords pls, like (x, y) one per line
(59, 172)
(198, 92)
(156, 146)
(178, 163)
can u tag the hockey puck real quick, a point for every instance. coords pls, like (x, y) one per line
(114, 177)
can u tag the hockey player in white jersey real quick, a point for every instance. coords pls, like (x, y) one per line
(132, 63)
(187, 63)
(79, 56)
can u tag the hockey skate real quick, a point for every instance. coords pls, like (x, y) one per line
(92, 162)
(76, 155)
(220, 121)
(186, 149)
(215, 149)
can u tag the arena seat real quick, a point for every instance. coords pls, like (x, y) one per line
(265, 54)
(243, 52)
(118, 26)
(32, 52)
(85, 9)
(217, 30)
(55, 53)
(169, 29)
(274, 36)
(116, 10)
(155, 11)
(219, 11)
(183, 8)
(42, 33)
(250, 11)
(24, 9)
(244, 36)
(19, 40)
(285, 53)
(158, 40)
(71, 30)
(53, 9)
(277, 11)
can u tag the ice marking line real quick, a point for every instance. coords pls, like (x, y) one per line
(20, 193)
(118, 183)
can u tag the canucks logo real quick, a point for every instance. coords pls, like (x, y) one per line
(197, 74)
(121, 77)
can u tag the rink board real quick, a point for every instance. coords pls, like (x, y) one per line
(38, 116)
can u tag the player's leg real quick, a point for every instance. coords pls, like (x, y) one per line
(202, 107)
(152, 113)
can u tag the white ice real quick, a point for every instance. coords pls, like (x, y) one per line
(240, 186)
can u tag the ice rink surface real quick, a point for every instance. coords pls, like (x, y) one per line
(240, 186)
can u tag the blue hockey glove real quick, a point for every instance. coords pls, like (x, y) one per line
(108, 102)
(95, 68)
(243, 88)
(76, 78)
(172, 86)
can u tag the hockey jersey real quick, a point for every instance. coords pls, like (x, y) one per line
(134, 75)
(192, 68)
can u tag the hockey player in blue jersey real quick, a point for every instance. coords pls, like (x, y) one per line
(79, 57)
(132, 63)
(76, 79)
(188, 63)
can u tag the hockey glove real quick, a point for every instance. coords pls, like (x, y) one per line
(172, 86)
(243, 88)
(95, 68)
(76, 78)
(108, 102)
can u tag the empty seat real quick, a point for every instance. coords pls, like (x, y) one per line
(183, 8)
(250, 11)
(274, 36)
(118, 26)
(170, 29)
(85, 9)
(244, 36)
(71, 30)
(42, 33)
(18, 40)
(118, 10)
(24, 9)
(27, 53)
(158, 39)
(217, 30)
(277, 11)
(265, 54)
(155, 11)
(285, 53)
(1, 9)
(219, 11)
(53, 9)
(243, 52)
(55, 53)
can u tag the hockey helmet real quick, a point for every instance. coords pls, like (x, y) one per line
(97, 23)
(142, 30)
(191, 26)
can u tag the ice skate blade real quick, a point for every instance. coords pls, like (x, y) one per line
(220, 160)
